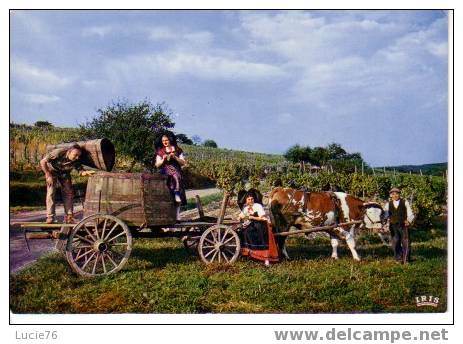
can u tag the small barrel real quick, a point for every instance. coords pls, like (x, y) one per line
(99, 153)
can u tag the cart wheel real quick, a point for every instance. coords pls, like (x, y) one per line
(220, 244)
(99, 245)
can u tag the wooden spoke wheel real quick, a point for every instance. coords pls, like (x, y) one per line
(98, 245)
(219, 244)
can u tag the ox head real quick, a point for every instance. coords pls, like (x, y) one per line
(374, 216)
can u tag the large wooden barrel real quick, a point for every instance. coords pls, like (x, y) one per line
(99, 153)
(136, 198)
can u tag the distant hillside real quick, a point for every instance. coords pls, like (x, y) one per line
(28, 145)
(429, 169)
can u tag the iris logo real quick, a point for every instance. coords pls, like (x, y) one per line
(427, 300)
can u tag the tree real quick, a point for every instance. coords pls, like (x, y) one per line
(343, 161)
(182, 138)
(333, 154)
(336, 152)
(298, 154)
(43, 124)
(133, 128)
(210, 143)
(320, 156)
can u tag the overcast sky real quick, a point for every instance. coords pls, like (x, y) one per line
(373, 81)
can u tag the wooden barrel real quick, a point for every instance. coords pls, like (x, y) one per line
(136, 198)
(99, 153)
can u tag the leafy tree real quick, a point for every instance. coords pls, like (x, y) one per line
(298, 154)
(320, 156)
(333, 154)
(335, 151)
(210, 143)
(43, 124)
(133, 128)
(182, 138)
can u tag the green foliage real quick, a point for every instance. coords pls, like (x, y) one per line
(210, 143)
(43, 124)
(333, 155)
(183, 139)
(427, 193)
(320, 156)
(228, 176)
(28, 143)
(300, 154)
(133, 128)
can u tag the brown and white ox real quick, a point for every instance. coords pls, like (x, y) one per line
(304, 210)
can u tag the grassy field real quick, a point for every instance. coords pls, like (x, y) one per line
(161, 277)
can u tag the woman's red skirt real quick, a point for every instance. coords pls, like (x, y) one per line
(270, 253)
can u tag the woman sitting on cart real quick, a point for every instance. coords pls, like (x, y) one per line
(170, 159)
(257, 240)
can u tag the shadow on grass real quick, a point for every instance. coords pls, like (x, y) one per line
(160, 257)
(319, 249)
(424, 235)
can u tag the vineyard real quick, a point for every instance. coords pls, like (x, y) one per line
(231, 170)
(28, 145)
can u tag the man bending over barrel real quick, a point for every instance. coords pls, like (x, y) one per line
(57, 166)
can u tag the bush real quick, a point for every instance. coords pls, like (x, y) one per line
(43, 124)
(133, 128)
(210, 143)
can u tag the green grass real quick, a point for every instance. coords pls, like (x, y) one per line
(21, 208)
(161, 277)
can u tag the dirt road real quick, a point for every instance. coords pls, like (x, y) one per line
(21, 257)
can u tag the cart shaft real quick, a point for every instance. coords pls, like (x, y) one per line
(317, 229)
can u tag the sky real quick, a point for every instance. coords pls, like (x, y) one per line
(374, 81)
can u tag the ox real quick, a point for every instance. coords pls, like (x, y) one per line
(304, 210)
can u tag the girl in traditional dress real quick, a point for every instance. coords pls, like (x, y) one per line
(170, 159)
(257, 237)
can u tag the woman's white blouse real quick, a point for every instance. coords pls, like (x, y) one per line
(256, 207)
(159, 160)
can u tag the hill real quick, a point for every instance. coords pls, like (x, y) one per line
(28, 145)
(437, 169)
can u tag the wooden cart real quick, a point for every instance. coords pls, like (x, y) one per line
(121, 206)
